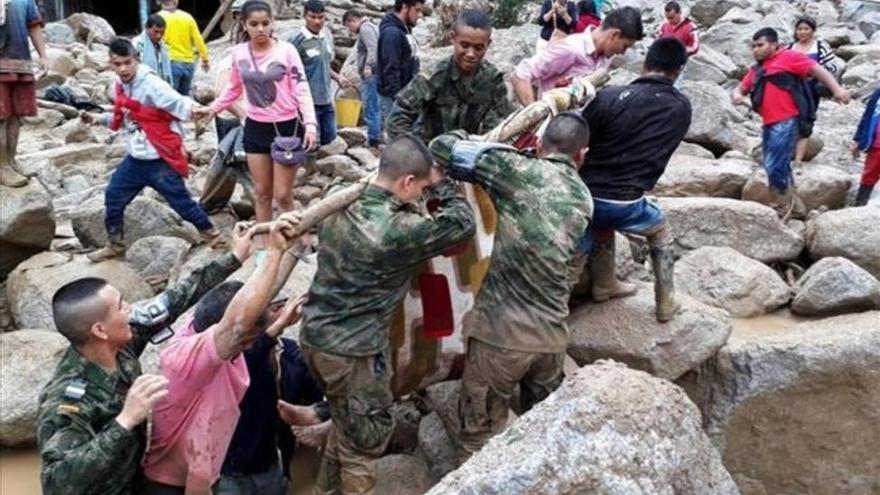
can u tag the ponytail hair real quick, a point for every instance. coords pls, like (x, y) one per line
(239, 33)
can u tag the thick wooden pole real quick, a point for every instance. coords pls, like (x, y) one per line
(224, 6)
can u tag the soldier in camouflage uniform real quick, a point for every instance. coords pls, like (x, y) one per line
(461, 92)
(367, 255)
(517, 331)
(91, 432)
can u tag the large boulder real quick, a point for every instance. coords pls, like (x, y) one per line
(751, 228)
(706, 12)
(32, 284)
(626, 330)
(866, 15)
(693, 176)
(852, 233)
(796, 411)
(816, 185)
(714, 117)
(89, 28)
(27, 362)
(155, 257)
(27, 224)
(436, 446)
(833, 286)
(58, 33)
(144, 217)
(607, 429)
(62, 62)
(401, 474)
(711, 66)
(724, 278)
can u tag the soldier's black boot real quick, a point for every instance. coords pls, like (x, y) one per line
(863, 195)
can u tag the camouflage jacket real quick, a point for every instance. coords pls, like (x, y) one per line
(543, 209)
(368, 253)
(83, 449)
(446, 101)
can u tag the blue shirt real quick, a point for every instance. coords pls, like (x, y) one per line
(21, 15)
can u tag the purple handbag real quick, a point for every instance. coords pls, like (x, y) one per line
(285, 150)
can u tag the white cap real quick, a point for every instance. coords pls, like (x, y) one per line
(237, 5)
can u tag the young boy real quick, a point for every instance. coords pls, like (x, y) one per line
(149, 111)
(774, 87)
(867, 139)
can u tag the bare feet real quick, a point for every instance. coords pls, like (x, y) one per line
(312, 436)
(297, 415)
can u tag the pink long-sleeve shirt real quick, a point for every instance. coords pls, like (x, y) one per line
(573, 56)
(276, 92)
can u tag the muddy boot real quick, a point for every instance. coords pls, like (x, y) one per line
(9, 177)
(664, 286)
(605, 283)
(115, 248)
(211, 236)
(863, 195)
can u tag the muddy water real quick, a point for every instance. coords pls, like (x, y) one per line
(20, 471)
(769, 324)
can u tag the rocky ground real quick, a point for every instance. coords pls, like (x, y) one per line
(790, 405)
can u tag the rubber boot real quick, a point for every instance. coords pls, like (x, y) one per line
(9, 177)
(115, 247)
(863, 195)
(664, 285)
(602, 268)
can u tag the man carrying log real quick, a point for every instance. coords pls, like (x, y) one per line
(368, 253)
(460, 92)
(636, 128)
(517, 332)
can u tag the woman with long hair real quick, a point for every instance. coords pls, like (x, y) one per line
(277, 104)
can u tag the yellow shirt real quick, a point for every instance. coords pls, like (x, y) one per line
(183, 37)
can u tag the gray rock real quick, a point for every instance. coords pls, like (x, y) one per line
(724, 278)
(816, 185)
(606, 430)
(58, 33)
(706, 12)
(88, 28)
(693, 176)
(46, 118)
(442, 398)
(62, 62)
(860, 75)
(711, 66)
(353, 136)
(834, 286)
(144, 217)
(365, 157)
(852, 233)
(407, 417)
(27, 224)
(797, 408)
(751, 228)
(27, 362)
(30, 287)
(97, 60)
(155, 257)
(626, 330)
(335, 147)
(340, 166)
(712, 124)
(436, 446)
(401, 474)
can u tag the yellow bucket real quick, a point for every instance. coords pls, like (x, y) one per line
(348, 111)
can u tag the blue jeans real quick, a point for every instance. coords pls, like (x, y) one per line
(130, 178)
(182, 76)
(326, 116)
(372, 113)
(636, 217)
(778, 147)
(386, 103)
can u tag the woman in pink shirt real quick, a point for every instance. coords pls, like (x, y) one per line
(278, 103)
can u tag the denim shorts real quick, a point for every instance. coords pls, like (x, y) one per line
(634, 217)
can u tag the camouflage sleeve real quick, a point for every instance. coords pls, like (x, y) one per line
(501, 106)
(489, 163)
(417, 238)
(185, 293)
(408, 105)
(73, 460)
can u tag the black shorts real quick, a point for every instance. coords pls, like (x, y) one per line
(258, 136)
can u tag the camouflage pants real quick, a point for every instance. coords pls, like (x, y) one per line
(490, 375)
(359, 392)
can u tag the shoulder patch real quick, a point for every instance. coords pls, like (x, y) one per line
(67, 409)
(75, 390)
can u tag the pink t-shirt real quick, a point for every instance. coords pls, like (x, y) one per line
(194, 423)
(573, 56)
(278, 91)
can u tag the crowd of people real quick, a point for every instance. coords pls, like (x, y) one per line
(229, 386)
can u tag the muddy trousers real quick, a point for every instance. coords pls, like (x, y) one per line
(358, 390)
(490, 375)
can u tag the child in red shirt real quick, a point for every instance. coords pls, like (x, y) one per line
(778, 69)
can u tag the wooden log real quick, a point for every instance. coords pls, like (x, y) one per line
(224, 6)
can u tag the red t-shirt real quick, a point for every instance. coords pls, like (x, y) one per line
(778, 104)
(684, 31)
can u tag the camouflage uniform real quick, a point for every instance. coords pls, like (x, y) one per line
(83, 449)
(368, 254)
(445, 101)
(517, 331)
